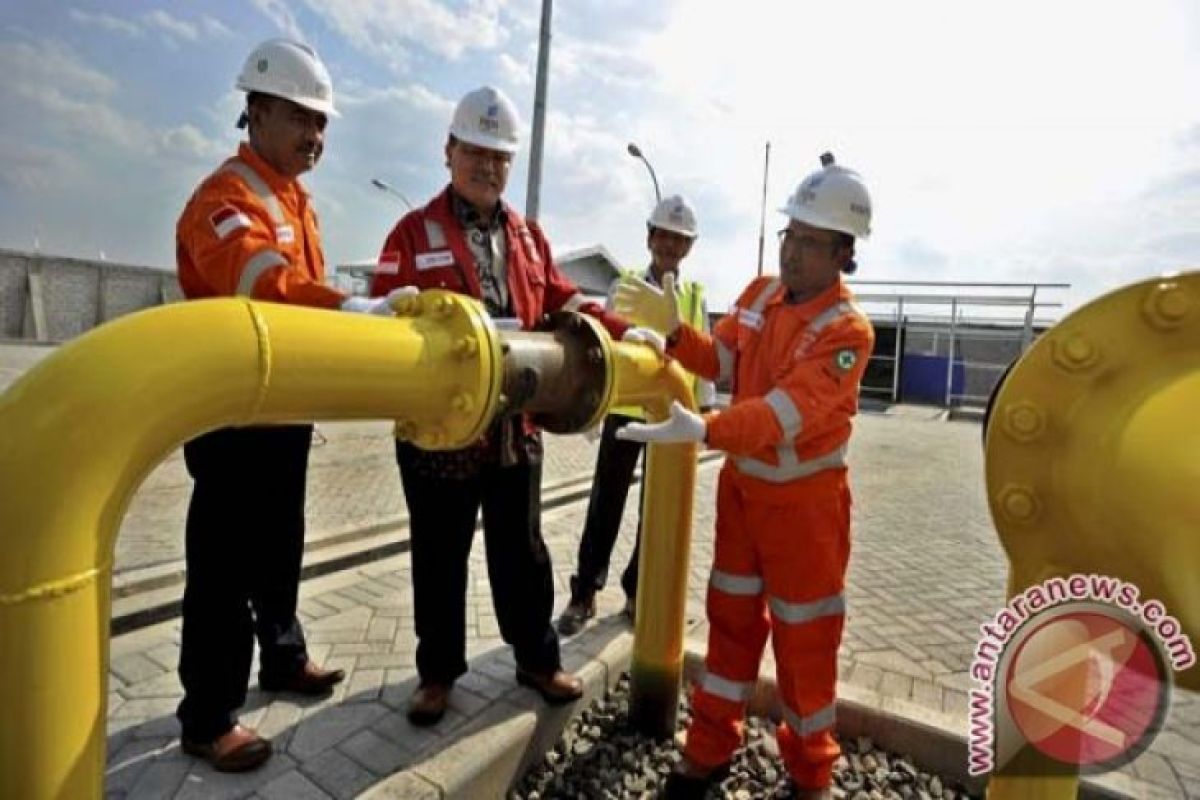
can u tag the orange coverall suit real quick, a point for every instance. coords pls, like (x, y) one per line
(783, 515)
(245, 231)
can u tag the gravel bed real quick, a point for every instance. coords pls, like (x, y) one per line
(599, 758)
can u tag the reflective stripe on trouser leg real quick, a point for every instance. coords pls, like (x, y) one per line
(804, 588)
(738, 626)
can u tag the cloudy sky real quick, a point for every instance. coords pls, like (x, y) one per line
(1017, 141)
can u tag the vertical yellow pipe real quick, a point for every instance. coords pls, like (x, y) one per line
(83, 428)
(657, 664)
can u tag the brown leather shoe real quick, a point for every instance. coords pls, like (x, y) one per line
(428, 703)
(556, 688)
(238, 750)
(309, 680)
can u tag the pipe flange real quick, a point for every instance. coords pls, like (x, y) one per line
(564, 384)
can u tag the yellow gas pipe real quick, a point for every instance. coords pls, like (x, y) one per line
(84, 427)
(657, 664)
(1093, 461)
(80, 431)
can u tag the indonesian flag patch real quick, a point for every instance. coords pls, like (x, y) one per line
(227, 219)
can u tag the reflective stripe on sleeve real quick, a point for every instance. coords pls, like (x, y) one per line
(255, 266)
(786, 413)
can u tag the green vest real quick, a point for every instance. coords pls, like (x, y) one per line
(691, 312)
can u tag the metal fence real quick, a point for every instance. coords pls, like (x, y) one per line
(948, 343)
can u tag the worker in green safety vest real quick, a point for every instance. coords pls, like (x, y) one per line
(670, 234)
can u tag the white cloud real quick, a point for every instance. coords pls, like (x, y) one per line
(163, 21)
(388, 28)
(278, 12)
(105, 21)
(46, 64)
(514, 72)
(76, 104)
(173, 26)
(214, 27)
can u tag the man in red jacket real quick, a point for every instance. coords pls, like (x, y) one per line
(468, 240)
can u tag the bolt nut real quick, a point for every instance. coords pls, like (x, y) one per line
(1019, 504)
(1075, 353)
(407, 307)
(443, 306)
(1167, 306)
(1024, 422)
(466, 348)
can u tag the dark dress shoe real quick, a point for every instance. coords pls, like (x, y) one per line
(238, 750)
(691, 782)
(428, 704)
(556, 688)
(309, 679)
(577, 612)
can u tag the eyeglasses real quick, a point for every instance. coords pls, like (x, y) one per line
(480, 154)
(804, 241)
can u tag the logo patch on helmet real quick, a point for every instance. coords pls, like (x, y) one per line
(261, 66)
(493, 110)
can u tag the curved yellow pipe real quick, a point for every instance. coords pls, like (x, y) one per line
(1093, 459)
(643, 379)
(84, 427)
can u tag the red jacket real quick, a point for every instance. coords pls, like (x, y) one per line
(249, 231)
(428, 249)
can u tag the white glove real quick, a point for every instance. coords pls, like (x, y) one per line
(379, 306)
(646, 305)
(646, 336)
(681, 426)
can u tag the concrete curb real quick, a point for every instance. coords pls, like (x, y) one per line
(488, 755)
(149, 595)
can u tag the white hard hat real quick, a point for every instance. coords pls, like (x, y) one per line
(487, 118)
(834, 198)
(293, 71)
(674, 214)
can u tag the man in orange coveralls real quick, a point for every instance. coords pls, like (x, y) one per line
(250, 230)
(795, 347)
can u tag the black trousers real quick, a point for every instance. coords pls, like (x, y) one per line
(245, 539)
(442, 513)
(615, 463)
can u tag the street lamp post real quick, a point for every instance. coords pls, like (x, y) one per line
(636, 152)
(383, 186)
